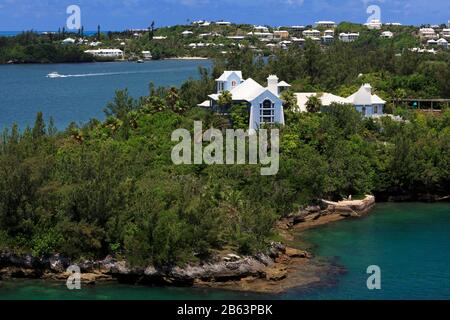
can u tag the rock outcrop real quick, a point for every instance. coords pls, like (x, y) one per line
(230, 267)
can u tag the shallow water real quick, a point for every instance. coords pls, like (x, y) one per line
(409, 242)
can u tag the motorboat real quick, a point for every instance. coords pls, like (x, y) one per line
(54, 75)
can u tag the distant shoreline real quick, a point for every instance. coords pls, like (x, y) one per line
(187, 58)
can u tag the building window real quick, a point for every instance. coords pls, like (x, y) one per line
(233, 84)
(267, 112)
(364, 111)
(375, 109)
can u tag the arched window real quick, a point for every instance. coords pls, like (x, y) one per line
(267, 112)
(233, 84)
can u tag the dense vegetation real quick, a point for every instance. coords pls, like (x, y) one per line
(30, 47)
(342, 67)
(110, 187)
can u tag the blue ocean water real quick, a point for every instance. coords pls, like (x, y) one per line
(409, 242)
(86, 89)
(15, 33)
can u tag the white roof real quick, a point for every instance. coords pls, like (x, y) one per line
(284, 84)
(326, 98)
(325, 22)
(364, 96)
(205, 104)
(105, 51)
(227, 74)
(311, 31)
(246, 91)
(442, 40)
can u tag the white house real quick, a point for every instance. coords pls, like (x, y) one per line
(326, 24)
(428, 33)
(370, 105)
(261, 35)
(260, 29)
(238, 38)
(264, 103)
(387, 35)
(187, 33)
(326, 99)
(374, 24)
(349, 37)
(327, 39)
(311, 33)
(68, 41)
(445, 33)
(95, 44)
(367, 103)
(106, 53)
(443, 43)
(328, 32)
(223, 23)
(420, 50)
(147, 55)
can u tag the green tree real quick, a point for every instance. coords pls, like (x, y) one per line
(314, 104)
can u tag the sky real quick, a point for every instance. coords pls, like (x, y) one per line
(46, 15)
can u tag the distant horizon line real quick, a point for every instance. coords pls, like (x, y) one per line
(235, 23)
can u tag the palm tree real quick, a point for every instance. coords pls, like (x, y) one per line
(225, 100)
(289, 100)
(314, 104)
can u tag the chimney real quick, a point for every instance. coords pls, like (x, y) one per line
(368, 88)
(272, 84)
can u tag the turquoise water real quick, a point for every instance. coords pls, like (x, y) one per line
(83, 94)
(409, 242)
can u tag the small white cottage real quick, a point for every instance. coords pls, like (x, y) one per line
(367, 103)
(370, 105)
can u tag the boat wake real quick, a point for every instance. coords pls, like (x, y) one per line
(103, 74)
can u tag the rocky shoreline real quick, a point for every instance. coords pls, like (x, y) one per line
(227, 271)
(279, 269)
